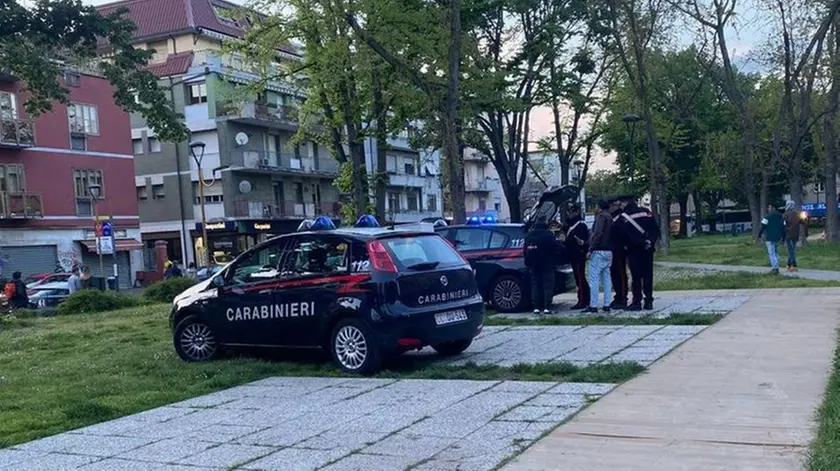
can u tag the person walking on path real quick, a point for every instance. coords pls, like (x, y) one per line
(542, 252)
(74, 283)
(600, 258)
(618, 268)
(640, 232)
(577, 246)
(793, 226)
(772, 228)
(18, 298)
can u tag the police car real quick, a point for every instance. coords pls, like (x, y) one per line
(363, 293)
(496, 251)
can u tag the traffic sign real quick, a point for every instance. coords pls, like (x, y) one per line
(106, 229)
(105, 245)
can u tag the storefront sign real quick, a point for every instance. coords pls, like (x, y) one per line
(262, 226)
(220, 226)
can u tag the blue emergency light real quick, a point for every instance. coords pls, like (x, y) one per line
(367, 221)
(474, 221)
(322, 223)
(489, 219)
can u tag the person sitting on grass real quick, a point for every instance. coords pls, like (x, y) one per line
(773, 229)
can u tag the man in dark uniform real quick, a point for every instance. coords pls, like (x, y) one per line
(577, 246)
(618, 269)
(640, 232)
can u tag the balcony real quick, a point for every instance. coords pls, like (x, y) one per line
(259, 114)
(20, 205)
(17, 133)
(285, 209)
(481, 186)
(275, 162)
(475, 156)
(405, 179)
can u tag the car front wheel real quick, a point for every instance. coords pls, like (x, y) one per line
(354, 348)
(508, 294)
(195, 341)
(449, 349)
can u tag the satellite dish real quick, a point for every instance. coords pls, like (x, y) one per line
(245, 187)
(241, 138)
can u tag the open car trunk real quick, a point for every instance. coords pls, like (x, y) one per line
(553, 204)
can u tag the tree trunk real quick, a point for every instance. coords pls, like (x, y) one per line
(381, 175)
(564, 172)
(454, 163)
(682, 199)
(832, 223)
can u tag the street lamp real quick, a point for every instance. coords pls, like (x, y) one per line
(197, 152)
(95, 190)
(630, 121)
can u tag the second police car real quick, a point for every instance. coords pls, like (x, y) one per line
(364, 294)
(496, 251)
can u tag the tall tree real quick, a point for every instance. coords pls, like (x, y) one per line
(831, 145)
(37, 43)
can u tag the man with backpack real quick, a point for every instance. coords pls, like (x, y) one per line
(542, 253)
(15, 292)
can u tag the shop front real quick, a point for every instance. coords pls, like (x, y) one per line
(228, 239)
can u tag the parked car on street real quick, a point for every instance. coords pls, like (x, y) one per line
(47, 278)
(496, 251)
(363, 294)
(49, 295)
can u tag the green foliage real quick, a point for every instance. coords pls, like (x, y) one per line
(38, 43)
(89, 300)
(166, 290)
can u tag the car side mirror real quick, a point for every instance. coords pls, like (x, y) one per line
(219, 281)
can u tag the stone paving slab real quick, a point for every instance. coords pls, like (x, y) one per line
(663, 307)
(431, 424)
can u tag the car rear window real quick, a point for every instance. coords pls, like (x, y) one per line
(408, 251)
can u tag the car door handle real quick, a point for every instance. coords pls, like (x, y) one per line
(266, 291)
(332, 285)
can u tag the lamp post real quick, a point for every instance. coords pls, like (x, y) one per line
(197, 152)
(630, 121)
(94, 191)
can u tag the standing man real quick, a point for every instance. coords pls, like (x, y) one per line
(542, 251)
(74, 283)
(577, 246)
(793, 226)
(618, 268)
(640, 233)
(600, 258)
(772, 227)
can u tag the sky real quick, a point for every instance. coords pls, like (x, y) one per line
(743, 40)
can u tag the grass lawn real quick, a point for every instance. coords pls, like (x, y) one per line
(62, 373)
(740, 250)
(825, 449)
(677, 279)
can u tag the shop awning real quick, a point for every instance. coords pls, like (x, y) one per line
(122, 245)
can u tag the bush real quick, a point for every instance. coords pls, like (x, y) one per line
(166, 290)
(88, 300)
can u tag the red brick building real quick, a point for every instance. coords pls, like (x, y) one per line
(47, 167)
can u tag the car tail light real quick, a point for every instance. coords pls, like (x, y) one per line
(379, 257)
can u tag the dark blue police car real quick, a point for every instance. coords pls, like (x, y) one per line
(496, 251)
(362, 293)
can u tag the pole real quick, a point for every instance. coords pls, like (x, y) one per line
(114, 254)
(98, 238)
(633, 155)
(203, 214)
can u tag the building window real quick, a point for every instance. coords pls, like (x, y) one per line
(431, 203)
(158, 192)
(482, 204)
(84, 178)
(394, 202)
(198, 93)
(819, 187)
(11, 178)
(83, 119)
(78, 142)
(73, 79)
(409, 169)
(8, 106)
(142, 193)
(413, 201)
(210, 199)
(498, 207)
(138, 146)
(154, 145)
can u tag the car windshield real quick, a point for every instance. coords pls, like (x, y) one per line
(425, 249)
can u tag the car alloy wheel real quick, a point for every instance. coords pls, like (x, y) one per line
(507, 294)
(351, 348)
(197, 342)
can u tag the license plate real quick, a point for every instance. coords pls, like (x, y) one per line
(443, 318)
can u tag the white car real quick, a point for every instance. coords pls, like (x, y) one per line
(49, 294)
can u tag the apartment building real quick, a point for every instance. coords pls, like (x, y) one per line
(483, 190)
(413, 192)
(48, 169)
(256, 182)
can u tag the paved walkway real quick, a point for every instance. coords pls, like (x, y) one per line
(741, 395)
(809, 274)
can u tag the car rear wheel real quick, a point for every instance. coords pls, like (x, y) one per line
(508, 294)
(195, 341)
(448, 349)
(354, 348)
